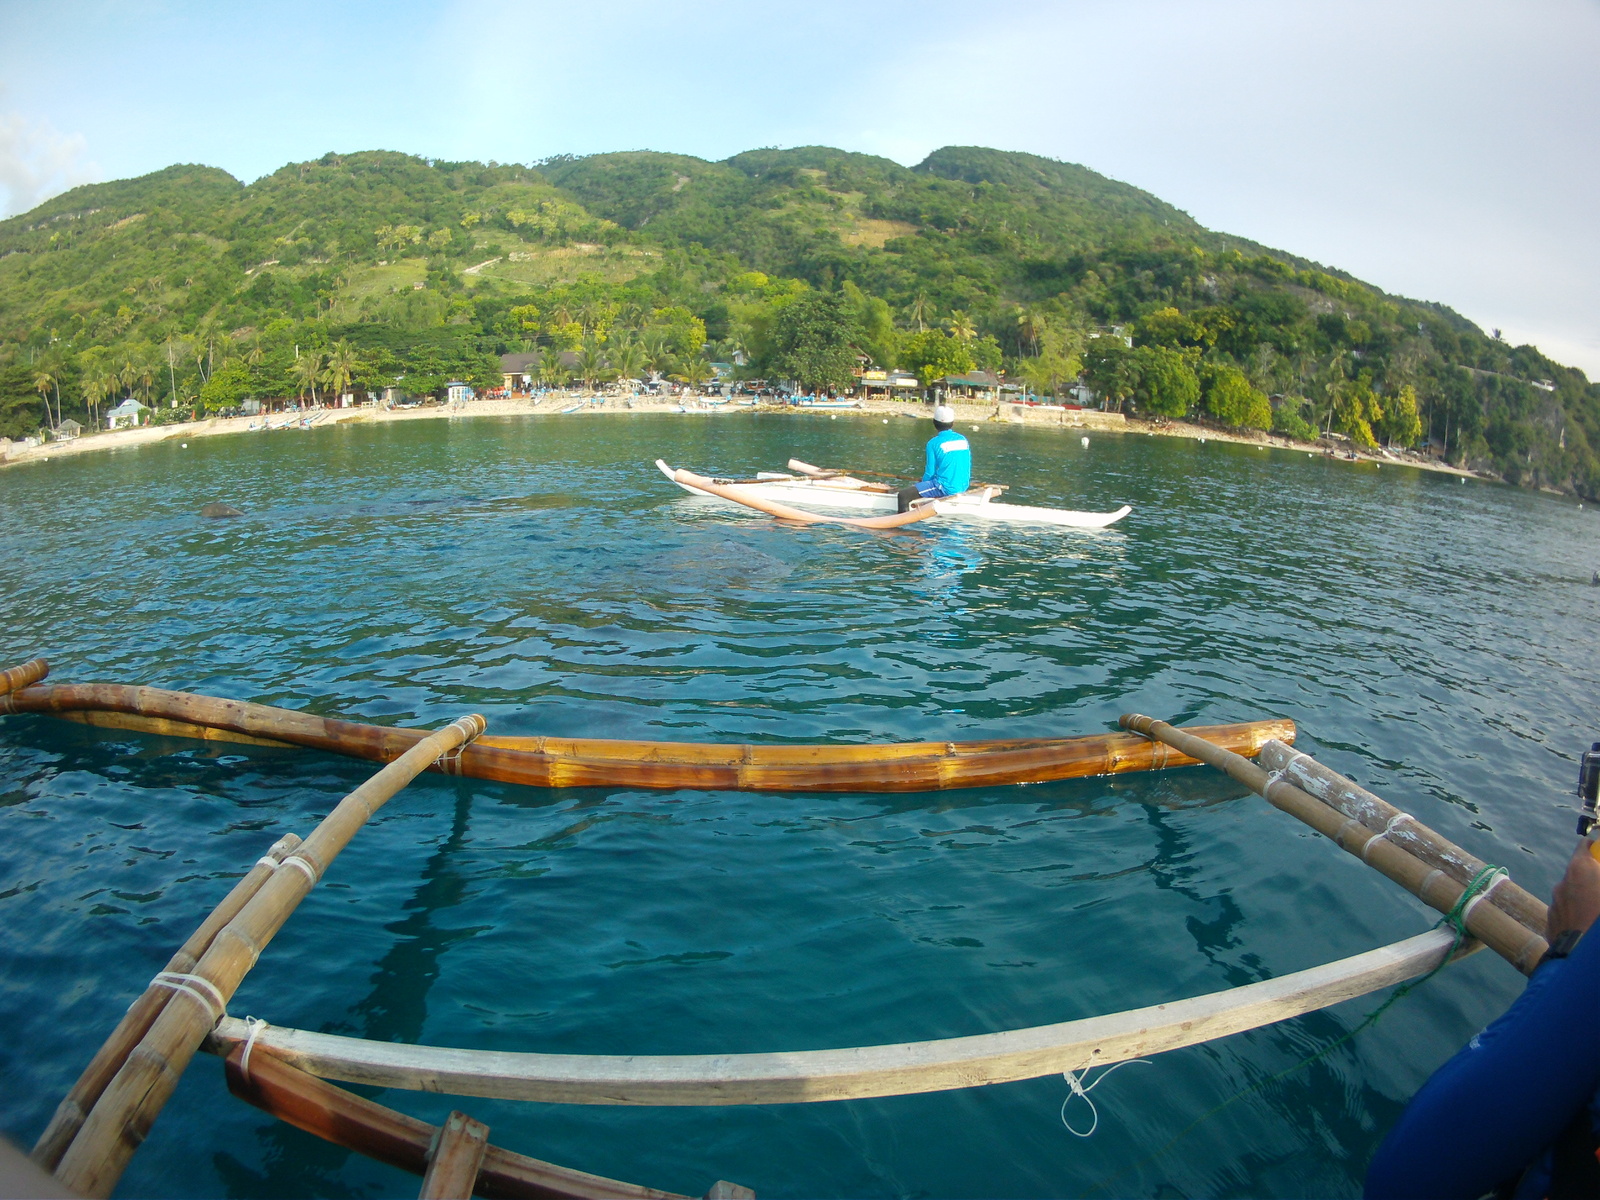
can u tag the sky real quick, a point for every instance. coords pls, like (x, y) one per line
(1446, 150)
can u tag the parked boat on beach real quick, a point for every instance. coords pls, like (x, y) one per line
(807, 487)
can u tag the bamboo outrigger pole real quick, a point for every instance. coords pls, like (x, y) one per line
(1504, 934)
(119, 1122)
(17, 678)
(1401, 828)
(602, 762)
(141, 1015)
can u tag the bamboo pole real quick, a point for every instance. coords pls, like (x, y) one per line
(1504, 934)
(1404, 830)
(122, 1118)
(601, 762)
(16, 678)
(142, 1013)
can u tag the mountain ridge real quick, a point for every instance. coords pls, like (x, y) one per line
(1020, 257)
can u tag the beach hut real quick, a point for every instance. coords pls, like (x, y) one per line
(129, 412)
(970, 385)
(66, 431)
(456, 392)
(518, 370)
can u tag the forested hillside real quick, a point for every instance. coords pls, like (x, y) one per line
(378, 269)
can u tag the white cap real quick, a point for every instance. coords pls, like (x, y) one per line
(944, 414)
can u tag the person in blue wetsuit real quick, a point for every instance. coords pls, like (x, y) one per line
(1516, 1113)
(949, 467)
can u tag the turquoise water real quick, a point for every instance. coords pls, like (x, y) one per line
(1433, 639)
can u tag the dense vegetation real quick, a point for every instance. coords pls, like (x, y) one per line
(368, 270)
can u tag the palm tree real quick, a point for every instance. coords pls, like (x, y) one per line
(550, 368)
(627, 358)
(342, 365)
(960, 325)
(657, 353)
(41, 384)
(308, 372)
(918, 312)
(590, 363)
(694, 369)
(1030, 327)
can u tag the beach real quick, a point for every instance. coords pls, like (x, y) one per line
(567, 404)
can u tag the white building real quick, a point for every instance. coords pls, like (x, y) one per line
(129, 412)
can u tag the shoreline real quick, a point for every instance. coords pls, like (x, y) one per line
(577, 404)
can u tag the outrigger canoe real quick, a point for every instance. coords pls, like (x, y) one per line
(600, 762)
(810, 487)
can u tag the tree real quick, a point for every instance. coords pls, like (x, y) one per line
(42, 382)
(960, 326)
(590, 363)
(1168, 386)
(694, 370)
(551, 370)
(932, 355)
(228, 385)
(814, 342)
(1113, 371)
(627, 358)
(1400, 421)
(343, 363)
(1228, 396)
(308, 373)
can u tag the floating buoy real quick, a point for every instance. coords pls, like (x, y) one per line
(186, 445)
(833, 416)
(1085, 442)
(886, 420)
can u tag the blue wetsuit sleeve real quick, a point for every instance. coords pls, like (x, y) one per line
(1494, 1108)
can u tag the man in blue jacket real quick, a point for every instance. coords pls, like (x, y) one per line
(1517, 1112)
(949, 467)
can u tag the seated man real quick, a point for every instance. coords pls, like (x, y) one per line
(1514, 1113)
(949, 466)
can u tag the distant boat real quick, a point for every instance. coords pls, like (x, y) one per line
(814, 487)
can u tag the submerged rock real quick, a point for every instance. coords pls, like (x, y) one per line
(217, 509)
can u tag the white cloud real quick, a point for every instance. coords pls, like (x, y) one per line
(37, 161)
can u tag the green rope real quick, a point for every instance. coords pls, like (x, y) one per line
(1454, 918)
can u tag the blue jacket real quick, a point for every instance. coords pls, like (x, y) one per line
(949, 462)
(1499, 1104)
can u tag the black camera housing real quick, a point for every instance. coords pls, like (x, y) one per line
(1588, 788)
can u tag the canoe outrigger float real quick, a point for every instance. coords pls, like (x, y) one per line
(809, 487)
(184, 1009)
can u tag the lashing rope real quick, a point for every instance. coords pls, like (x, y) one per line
(1080, 1089)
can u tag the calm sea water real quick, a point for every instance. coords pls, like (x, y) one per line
(1433, 639)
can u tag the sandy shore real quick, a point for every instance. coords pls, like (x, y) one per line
(576, 404)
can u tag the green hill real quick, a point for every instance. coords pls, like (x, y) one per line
(385, 269)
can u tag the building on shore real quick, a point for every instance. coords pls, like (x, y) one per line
(974, 385)
(129, 412)
(66, 431)
(895, 385)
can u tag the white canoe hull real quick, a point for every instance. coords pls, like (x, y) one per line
(843, 493)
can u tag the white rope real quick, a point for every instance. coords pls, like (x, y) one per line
(294, 860)
(199, 988)
(1079, 1088)
(255, 1025)
(1388, 829)
(1495, 880)
(266, 860)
